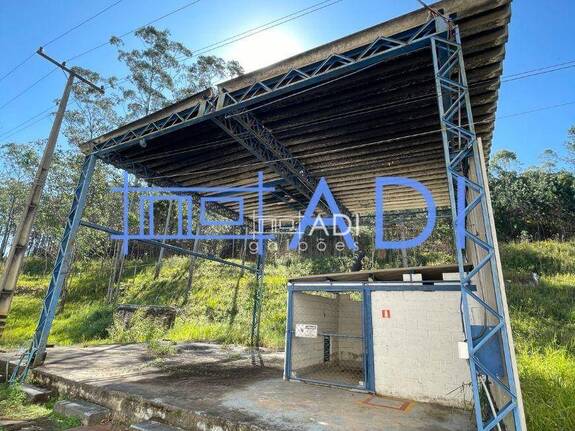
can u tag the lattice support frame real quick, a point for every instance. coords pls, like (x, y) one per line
(465, 172)
(35, 354)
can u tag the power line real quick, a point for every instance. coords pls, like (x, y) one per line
(255, 30)
(15, 68)
(541, 68)
(403, 102)
(60, 36)
(307, 10)
(266, 26)
(9, 132)
(271, 24)
(538, 73)
(11, 71)
(191, 3)
(542, 108)
(43, 77)
(26, 127)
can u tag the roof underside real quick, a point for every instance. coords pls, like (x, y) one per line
(380, 121)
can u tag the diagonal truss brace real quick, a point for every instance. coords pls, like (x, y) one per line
(249, 132)
(462, 154)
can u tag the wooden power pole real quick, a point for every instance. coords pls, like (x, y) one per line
(20, 240)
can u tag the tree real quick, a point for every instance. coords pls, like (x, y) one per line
(549, 159)
(539, 201)
(152, 70)
(96, 113)
(205, 73)
(504, 160)
(158, 75)
(570, 147)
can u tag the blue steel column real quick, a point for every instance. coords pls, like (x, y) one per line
(461, 147)
(258, 297)
(35, 354)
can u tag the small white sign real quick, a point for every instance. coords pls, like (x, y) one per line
(303, 330)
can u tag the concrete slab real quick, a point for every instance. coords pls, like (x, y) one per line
(210, 387)
(88, 413)
(36, 394)
(153, 426)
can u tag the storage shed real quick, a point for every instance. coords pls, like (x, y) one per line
(393, 332)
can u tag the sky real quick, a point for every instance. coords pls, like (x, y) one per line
(540, 35)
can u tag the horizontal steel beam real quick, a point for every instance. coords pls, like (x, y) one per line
(169, 246)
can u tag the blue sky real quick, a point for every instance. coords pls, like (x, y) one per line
(540, 35)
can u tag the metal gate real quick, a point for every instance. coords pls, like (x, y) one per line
(325, 339)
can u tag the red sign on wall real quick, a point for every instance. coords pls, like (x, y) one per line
(386, 313)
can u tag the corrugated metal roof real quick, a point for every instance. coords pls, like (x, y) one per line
(379, 121)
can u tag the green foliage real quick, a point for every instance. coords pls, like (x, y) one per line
(543, 257)
(548, 385)
(543, 321)
(543, 315)
(158, 74)
(80, 322)
(141, 329)
(15, 406)
(535, 203)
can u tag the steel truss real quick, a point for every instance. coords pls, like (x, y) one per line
(224, 103)
(462, 154)
(141, 171)
(251, 134)
(36, 352)
(465, 171)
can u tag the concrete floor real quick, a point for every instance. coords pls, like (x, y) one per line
(206, 386)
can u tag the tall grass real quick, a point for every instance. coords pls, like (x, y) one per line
(219, 309)
(543, 322)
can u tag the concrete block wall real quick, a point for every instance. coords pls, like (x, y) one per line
(313, 310)
(415, 348)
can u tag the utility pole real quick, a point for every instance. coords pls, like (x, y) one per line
(20, 240)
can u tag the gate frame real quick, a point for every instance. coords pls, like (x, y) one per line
(366, 329)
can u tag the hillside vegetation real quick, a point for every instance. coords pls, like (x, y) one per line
(543, 314)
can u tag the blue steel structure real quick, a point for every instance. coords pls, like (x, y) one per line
(231, 112)
(34, 355)
(463, 159)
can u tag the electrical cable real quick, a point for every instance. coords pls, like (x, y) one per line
(191, 3)
(17, 96)
(512, 77)
(255, 30)
(29, 125)
(58, 38)
(9, 132)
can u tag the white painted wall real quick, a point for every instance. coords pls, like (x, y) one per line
(314, 310)
(415, 350)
